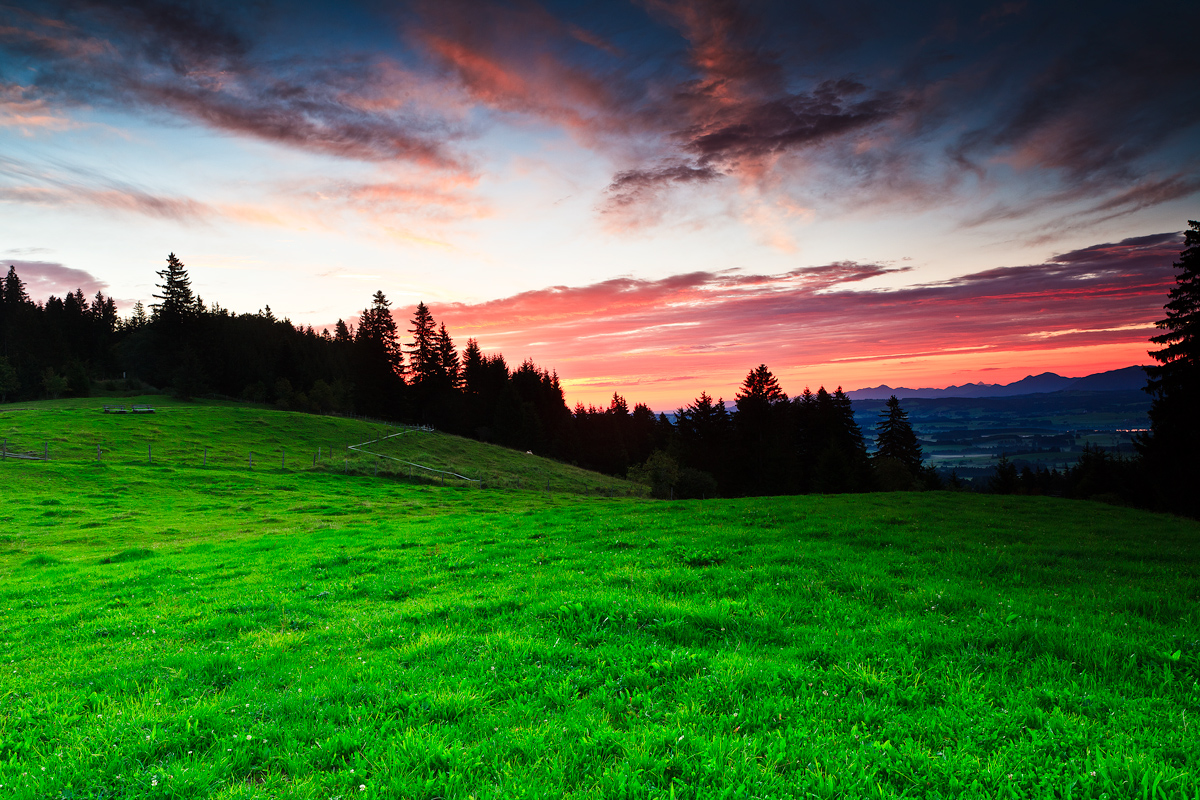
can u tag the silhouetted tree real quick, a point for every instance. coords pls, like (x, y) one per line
(448, 359)
(177, 303)
(424, 364)
(8, 379)
(762, 423)
(1171, 447)
(1005, 480)
(377, 331)
(896, 445)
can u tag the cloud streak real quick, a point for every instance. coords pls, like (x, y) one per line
(832, 109)
(70, 186)
(805, 322)
(45, 278)
(203, 64)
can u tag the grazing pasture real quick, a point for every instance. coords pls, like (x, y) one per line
(171, 630)
(241, 437)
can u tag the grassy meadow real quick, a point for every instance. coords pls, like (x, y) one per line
(241, 437)
(174, 630)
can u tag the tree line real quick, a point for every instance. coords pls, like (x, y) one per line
(768, 444)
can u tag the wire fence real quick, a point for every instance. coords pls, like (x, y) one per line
(160, 452)
(361, 447)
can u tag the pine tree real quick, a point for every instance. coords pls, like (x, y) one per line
(422, 350)
(472, 367)
(177, 303)
(8, 379)
(137, 317)
(448, 359)
(760, 386)
(895, 437)
(1171, 446)
(14, 289)
(377, 332)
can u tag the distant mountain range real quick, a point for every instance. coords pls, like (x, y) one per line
(1116, 380)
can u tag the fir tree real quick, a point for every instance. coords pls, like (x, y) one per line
(422, 350)
(895, 437)
(1171, 446)
(14, 289)
(8, 379)
(176, 301)
(378, 333)
(448, 359)
(472, 367)
(760, 386)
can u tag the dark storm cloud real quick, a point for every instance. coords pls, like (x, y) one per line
(636, 186)
(1095, 113)
(209, 64)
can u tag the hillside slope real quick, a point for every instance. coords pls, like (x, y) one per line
(228, 435)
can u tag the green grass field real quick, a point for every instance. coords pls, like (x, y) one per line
(237, 437)
(170, 630)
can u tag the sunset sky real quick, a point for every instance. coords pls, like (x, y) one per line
(648, 197)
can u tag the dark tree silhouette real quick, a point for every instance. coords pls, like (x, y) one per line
(449, 369)
(762, 424)
(423, 361)
(895, 438)
(377, 330)
(9, 382)
(176, 303)
(1171, 447)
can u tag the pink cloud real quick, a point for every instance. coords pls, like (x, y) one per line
(45, 278)
(1095, 305)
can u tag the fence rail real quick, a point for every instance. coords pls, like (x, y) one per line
(361, 448)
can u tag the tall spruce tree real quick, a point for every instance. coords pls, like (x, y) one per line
(895, 439)
(1170, 449)
(176, 303)
(424, 364)
(378, 333)
(472, 367)
(451, 372)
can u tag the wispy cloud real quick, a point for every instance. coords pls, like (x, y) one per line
(65, 185)
(714, 324)
(44, 278)
(202, 63)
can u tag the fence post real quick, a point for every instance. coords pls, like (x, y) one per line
(97, 452)
(314, 462)
(283, 459)
(206, 456)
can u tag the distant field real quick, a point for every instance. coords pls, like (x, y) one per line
(174, 631)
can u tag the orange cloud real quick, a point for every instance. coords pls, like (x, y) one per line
(1094, 306)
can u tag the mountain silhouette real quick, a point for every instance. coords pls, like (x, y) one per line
(1111, 381)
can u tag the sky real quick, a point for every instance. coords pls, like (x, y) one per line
(650, 198)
